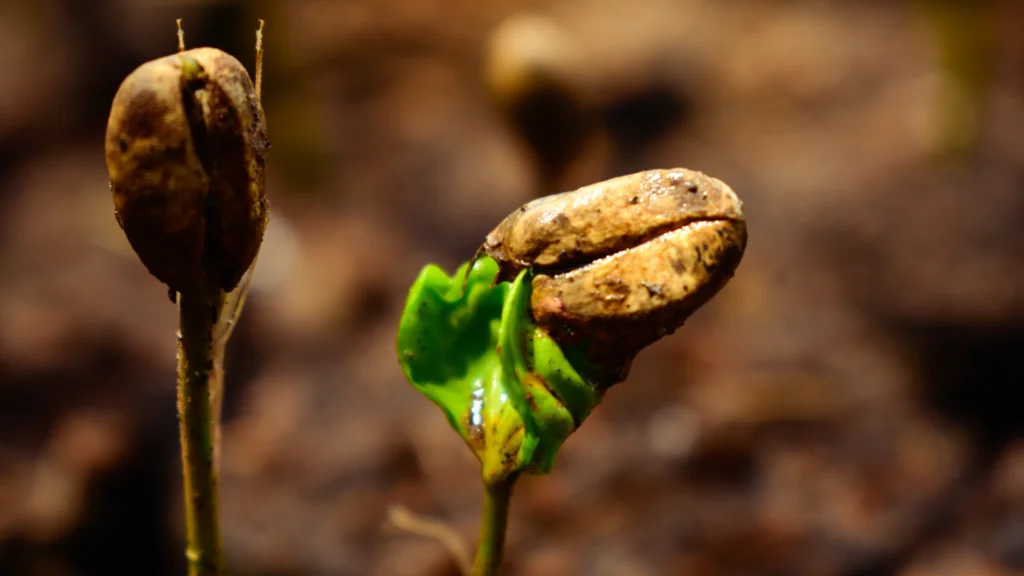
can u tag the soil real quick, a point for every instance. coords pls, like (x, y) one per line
(843, 406)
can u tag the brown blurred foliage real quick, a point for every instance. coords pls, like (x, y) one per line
(843, 407)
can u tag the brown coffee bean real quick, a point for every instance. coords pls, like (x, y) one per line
(621, 263)
(186, 149)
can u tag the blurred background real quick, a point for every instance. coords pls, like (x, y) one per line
(843, 407)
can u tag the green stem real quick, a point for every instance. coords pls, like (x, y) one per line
(195, 363)
(492, 527)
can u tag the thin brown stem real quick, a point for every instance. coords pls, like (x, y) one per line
(217, 400)
(259, 60)
(195, 362)
(407, 521)
(230, 305)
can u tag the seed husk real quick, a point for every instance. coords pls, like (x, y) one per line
(621, 263)
(186, 150)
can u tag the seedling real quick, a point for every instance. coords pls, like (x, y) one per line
(186, 149)
(522, 343)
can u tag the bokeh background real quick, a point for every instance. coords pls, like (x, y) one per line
(843, 407)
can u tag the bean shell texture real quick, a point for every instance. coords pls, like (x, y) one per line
(186, 149)
(567, 229)
(621, 263)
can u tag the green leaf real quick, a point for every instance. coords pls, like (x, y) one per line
(506, 387)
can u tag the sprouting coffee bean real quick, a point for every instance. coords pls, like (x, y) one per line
(621, 263)
(186, 149)
(566, 230)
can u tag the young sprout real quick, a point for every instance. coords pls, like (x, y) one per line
(522, 343)
(186, 149)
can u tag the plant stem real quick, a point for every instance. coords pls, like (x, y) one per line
(216, 387)
(407, 521)
(229, 308)
(493, 521)
(195, 363)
